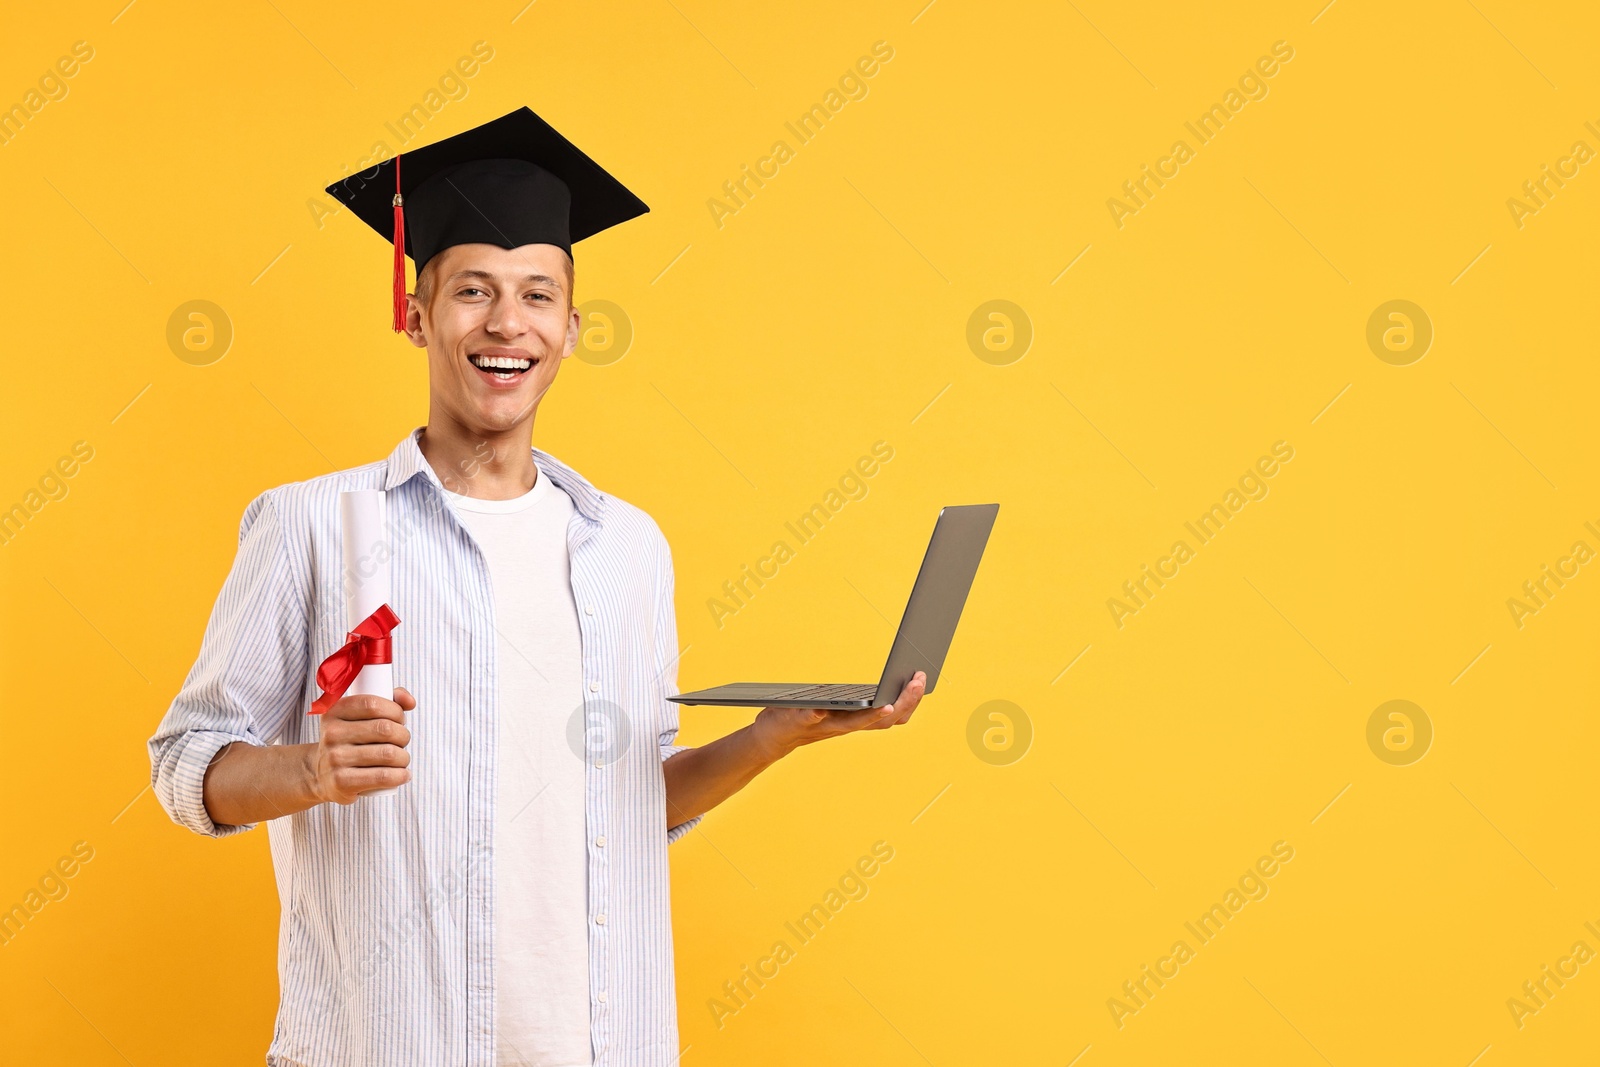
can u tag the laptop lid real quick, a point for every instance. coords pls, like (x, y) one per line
(940, 592)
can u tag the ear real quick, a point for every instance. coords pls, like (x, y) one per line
(414, 329)
(574, 321)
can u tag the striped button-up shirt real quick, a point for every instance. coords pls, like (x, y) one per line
(386, 941)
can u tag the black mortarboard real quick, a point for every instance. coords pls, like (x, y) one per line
(510, 182)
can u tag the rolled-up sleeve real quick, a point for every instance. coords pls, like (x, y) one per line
(249, 676)
(666, 630)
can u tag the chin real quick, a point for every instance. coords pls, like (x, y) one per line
(501, 413)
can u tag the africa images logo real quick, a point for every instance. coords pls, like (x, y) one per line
(1252, 85)
(1252, 485)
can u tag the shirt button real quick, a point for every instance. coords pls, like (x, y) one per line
(601, 996)
(594, 687)
(600, 919)
(599, 764)
(588, 609)
(600, 842)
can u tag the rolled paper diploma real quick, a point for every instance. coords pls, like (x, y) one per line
(366, 549)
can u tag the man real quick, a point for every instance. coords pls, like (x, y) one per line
(508, 904)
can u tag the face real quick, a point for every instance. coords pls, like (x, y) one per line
(500, 322)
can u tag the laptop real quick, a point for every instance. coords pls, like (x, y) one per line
(925, 631)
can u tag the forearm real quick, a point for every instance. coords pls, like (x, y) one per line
(250, 783)
(701, 778)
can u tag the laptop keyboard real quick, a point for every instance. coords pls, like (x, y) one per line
(841, 691)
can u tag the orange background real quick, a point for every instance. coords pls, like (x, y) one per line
(185, 161)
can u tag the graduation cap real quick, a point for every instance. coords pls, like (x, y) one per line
(510, 182)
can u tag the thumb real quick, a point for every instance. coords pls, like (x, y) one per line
(404, 699)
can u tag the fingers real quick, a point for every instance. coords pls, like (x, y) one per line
(353, 756)
(845, 722)
(911, 693)
(818, 724)
(366, 732)
(906, 703)
(362, 746)
(906, 706)
(351, 782)
(370, 707)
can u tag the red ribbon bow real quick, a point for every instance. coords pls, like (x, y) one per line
(367, 643)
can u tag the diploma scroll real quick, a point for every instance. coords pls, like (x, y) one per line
(366, 551)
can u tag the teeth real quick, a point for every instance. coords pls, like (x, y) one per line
(501, 363)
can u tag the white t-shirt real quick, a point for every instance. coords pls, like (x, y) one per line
(541, 877)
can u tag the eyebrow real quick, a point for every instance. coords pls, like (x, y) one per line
(544, 279)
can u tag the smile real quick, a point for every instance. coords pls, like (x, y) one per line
(504, 368)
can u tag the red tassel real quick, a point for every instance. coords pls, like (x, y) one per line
(399, 253)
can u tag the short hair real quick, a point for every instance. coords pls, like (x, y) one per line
(425, 277)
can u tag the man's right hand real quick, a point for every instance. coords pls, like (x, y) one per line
(362, 747)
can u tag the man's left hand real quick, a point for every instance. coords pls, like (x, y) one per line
(786, 729)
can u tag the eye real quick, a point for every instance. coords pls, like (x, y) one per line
(541, 296)
(469, 289)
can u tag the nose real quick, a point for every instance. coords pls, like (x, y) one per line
(507, 317)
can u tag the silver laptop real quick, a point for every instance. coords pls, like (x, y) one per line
(925, 632)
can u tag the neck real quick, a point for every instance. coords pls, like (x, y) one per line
(490, 466)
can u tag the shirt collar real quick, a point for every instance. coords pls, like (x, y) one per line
(407, 461)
